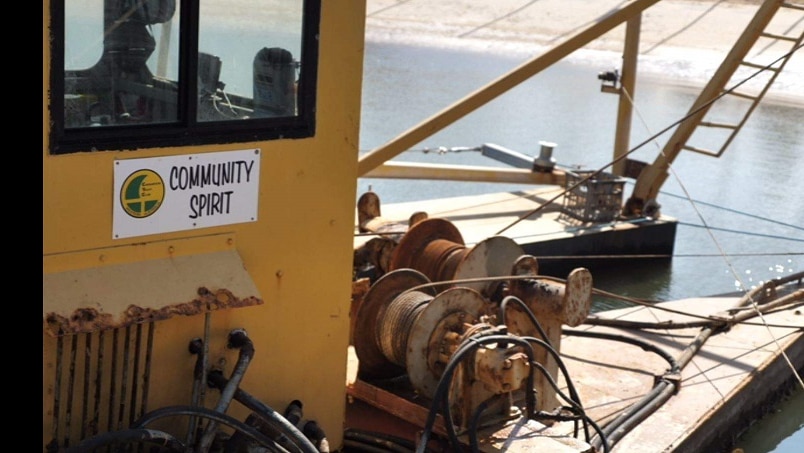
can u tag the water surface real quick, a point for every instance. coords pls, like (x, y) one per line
(741, 215)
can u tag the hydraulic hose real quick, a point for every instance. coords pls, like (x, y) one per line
(202, 412)
(664, 388)
(197, 347)
(468, 346)
(577, 407)
(290, 436)
(313, 431)
(237, 340)
(528, 312)
(143, 436)
(545, 343)
(667, 385)
(381, 442)
(634, 341)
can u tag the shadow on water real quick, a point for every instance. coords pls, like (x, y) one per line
(785, 422)
(644, 278)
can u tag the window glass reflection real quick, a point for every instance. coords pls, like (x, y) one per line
(249, 58)
(121, 62)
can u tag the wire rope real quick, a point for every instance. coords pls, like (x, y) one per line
(708, 229)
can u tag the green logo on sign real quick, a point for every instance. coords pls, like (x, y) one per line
(142, 193)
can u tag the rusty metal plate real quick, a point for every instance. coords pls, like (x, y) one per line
(414, 242)
(492, 257)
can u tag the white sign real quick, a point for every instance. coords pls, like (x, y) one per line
(187, 192)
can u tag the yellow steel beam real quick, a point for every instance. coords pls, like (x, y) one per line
(627, 89)
(652, 177)
(491, 91)
(412, 170)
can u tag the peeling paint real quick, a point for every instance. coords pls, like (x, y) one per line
(85, 320)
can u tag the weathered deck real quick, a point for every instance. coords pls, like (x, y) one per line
(733, 376)
(736, 373)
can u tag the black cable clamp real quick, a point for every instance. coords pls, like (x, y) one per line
(671, 377)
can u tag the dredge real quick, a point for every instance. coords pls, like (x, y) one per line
(178, 314)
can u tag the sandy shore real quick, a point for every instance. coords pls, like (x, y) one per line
(682, 41)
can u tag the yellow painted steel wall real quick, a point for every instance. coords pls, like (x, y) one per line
(299, 252)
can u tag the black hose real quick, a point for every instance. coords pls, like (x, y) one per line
(549, 347)
(294, 412)
(238, 339)
(129, 436)
(574, 396)
(577, 407)
(313, 431)
(674, 368)
(196, 347)
(664, 388)
(378, 441)
(528, 312)
(613, 430)
(218, 417)
(667, 384)
(468, 346)
(530, 399)
(473, 442)
(290, 436)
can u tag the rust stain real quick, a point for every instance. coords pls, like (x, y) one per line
(376, 253)
(359, 289)
(84, 320)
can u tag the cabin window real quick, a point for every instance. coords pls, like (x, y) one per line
(128, 74)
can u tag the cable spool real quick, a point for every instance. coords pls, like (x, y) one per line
(381, 317)
(439, 329)
(402, 331)
(396, 322)
(433, 247)
(436, 248)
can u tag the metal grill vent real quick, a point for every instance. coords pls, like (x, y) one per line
(100, 384)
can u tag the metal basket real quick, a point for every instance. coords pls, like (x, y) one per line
(598, 199)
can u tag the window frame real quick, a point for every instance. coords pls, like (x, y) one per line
(187, 130)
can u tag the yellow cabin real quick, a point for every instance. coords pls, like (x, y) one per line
(187, 148)
(210, 285)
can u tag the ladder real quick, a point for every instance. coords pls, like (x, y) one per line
(775, 68)
(758, 31)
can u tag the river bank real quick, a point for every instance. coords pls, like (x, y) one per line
(681, 41)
